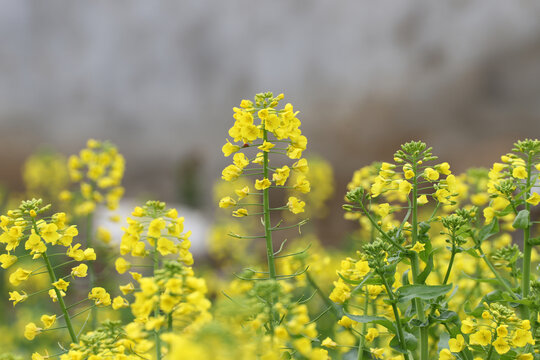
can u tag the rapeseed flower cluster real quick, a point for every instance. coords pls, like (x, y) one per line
(98, 169)
(45, 175)
(41, 235)
(420, 229)
(434, 270)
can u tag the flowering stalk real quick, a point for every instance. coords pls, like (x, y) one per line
(156, 308)
(527, 247)
(276, 127)
(61, 302)
(401, 336)
(171, 298)
(39, 234)
(91, 271)
(99, 169)
(266, 210)
(364, 326)
(419, 304)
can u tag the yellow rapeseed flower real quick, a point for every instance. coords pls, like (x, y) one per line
(519, 172)
(445, 354)
(122, 265)
(501, 346)
(266, 146)
(31, 330)
(329, 343)
(80, 270)
(262, 184)
(457, 344)
(16, 297)
(371, 334)
(19, 276)
(431, 174)
(61, 284)
(481, 337)
(48, 320)
(534, 199)
(295, 206)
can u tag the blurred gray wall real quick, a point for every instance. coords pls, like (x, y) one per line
(160, 78)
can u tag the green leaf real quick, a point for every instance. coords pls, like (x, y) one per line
(507, 210)
(349, 281)
(473, 252)
(424, 292)
(534, 241)
(493, 281)
(494, 296)
(507, 297)
(364, 319)
(369, 279)
(522, 220)
(405, 277)
(411, 342)
(415, 323)
(489, 230)
(446, 316)
(467, 307)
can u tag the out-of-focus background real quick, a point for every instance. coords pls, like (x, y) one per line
(160, 78)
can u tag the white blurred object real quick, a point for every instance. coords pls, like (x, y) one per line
(194, 222)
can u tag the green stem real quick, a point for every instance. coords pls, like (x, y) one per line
(156, 308)
(496, 273)
(401, 337)
(374, 224)
(323, 296)
(91, 272)
(364, 326)
(527, 248)
(268, 231)
(419, 304)
(60, 299)
(490, 352)
(450, 263)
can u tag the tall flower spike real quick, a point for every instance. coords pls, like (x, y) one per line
(264, 131)
(98, 170)
(172, 298)
(40, 234)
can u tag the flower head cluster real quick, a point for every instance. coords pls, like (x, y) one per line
(177, 293)
(163, 231)
(273, 128)
(23, 226)
(498, 328)
(99, 169)
(45, 175)
(511, 181)
(108, 342)
(352, 270)
(317, 186)
(173, 295)
(40, 234)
